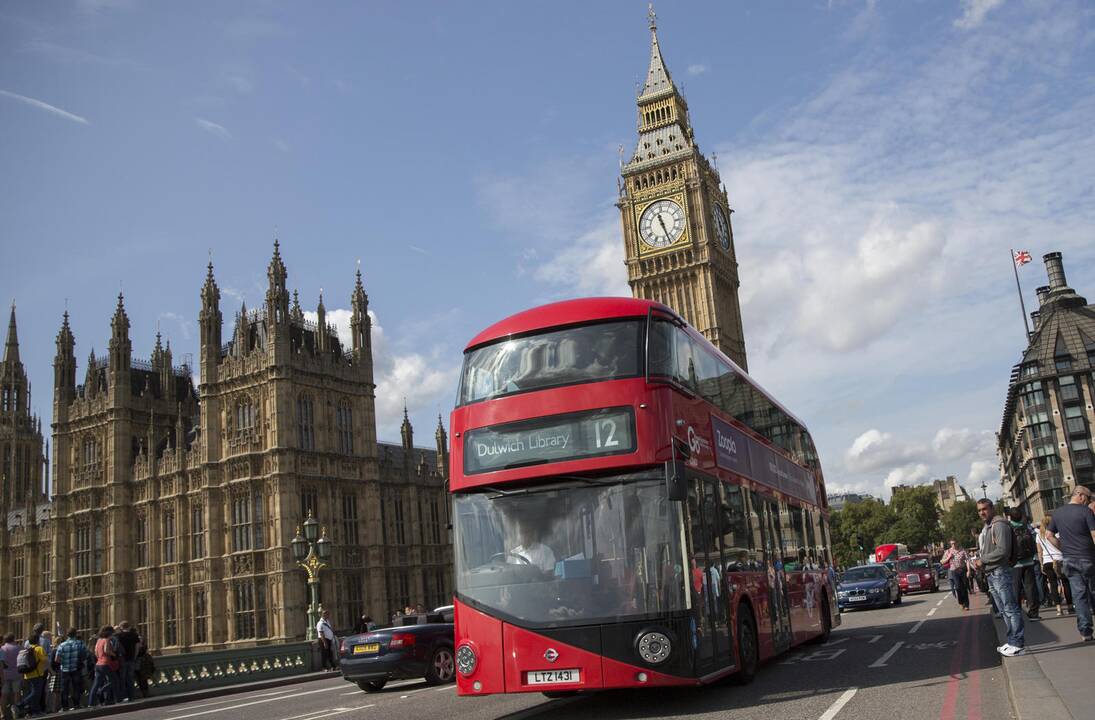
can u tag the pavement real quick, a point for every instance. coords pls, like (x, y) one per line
(1052, 680)
(922, 659)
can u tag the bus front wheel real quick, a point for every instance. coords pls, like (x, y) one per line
(748, 657)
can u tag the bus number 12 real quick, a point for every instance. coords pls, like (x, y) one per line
(610, 433)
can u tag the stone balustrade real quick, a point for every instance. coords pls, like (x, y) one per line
(200, 670)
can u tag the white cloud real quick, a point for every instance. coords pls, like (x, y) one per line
(213, 128)
(974, 12)
(697, 69)
(951, 444)
(45, 106)
(591, 264)
(185, 326)
(911, 474)
(875, 450)
(983, 471)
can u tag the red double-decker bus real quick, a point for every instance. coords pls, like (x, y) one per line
(629, 508)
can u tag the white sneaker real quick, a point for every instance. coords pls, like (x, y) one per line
(1002, 648)
(1012, 651)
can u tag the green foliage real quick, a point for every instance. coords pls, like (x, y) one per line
(916, 518)
(960, 521)
(857, 529)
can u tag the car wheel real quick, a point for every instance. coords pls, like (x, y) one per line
(371, 686)
(747, 647)
(442, 667)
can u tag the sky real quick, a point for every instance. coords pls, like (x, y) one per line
(882, 159)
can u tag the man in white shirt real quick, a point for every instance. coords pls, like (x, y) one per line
(530, 550)
(328, 641)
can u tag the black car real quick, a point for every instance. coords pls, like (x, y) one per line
(867, 586)
(418, 646)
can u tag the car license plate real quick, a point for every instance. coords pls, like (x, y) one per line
(367, 649)
(914, 580)
(857, 598)
(554, 677)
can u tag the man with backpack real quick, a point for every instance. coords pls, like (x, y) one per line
(12, 679)
(71, 658)
(32, 664)
(1026, 554)
(996, 553)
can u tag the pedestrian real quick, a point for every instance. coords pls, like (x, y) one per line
(1072, 530)
(1026, 555)
(364, 625)
(12, 680)
(32, 663)
(994, 546)
(71, 659)
(328, 641)
(105, 687)
(146, 668)
(129, 642)
(1049, 555)
(955, 560)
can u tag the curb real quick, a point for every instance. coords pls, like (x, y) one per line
(175, 699)
(1033, 696)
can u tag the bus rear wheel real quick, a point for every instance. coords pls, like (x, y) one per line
(748, 649)
(826, 623)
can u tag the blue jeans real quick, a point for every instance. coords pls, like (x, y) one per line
(1081, 578)
(106, 682)
(126, 675)
(958, 586)
(1002, 587)
(34, 696)
(72, 688)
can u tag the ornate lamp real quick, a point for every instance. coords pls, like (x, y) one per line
(323, 546)
(311, 528)
(300, 547)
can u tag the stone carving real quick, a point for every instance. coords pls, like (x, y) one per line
(241, 564)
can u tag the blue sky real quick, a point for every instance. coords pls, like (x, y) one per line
(881, 158)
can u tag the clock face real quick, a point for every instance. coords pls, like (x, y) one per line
(661, 224)
(722, 227)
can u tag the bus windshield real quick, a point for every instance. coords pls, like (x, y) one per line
(571, 554)
(603, 351)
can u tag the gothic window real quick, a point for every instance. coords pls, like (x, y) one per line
(97, 550)
(309, 502)
(90, 452)
(400, 526)
(435, 520)
(245, 609)
(201, 617)
(305, 423)
(45, 572)
(142, 540)
(197, 532)
(169, 536)
(241, 522)
(349, 519)
(84, 627)
(355, 601)
(345, 424)
(245, 416)
(18, 575)
(258, 532)
(142, 617)
(82, 556)
(170, 620)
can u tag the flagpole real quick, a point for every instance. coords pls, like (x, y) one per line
(1022, 305)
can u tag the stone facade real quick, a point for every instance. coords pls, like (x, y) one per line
(174, 506)
(1046, 435)
(678, 238)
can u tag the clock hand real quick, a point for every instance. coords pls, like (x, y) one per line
(661, 221)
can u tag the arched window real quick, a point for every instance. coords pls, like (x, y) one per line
(90, 454)
(345, 425)
(245, 415)
(305, 423)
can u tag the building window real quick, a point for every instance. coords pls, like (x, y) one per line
(1063, 362)
(241, 523)
(258, 531)
(400, 528)
(97, 550)
(197, 532)
(1070, 391)
(170, 622)
(1074, 420)
(1033, 394)
(309, 502)
(305, 423)
(349, 519)
(1030, 369)
(443, 597)
(245, 609)
(18, 575)
(260, 610)
(245, 416)
(142, 540)
(1045, 457)
(82, 613)
(45, 572)
(142, 616)
(82, 555)
(435, 520)
(345, 424)
(201, 617)
(169, 536)
(90, 452)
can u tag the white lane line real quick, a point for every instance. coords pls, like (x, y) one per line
(331, 712)
(874, 639)
(183, 708)
(932, 612)
(836, 642)
(445, 687)
(917, 626)
(881, 662)
(840, 702)
(247, 704)
(940, 602)
(353, 692)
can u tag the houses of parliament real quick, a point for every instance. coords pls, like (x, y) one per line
(173, 507)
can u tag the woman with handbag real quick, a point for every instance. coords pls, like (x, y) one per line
(1049, 557)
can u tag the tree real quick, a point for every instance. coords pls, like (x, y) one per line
(960, 522)
(857, 529)
(917, 517)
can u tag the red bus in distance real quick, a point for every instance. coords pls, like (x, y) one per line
(630, 509)
(890, 552)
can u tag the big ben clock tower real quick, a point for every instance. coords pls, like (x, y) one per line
(676, 218)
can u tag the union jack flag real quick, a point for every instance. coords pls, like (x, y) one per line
(1022, 257)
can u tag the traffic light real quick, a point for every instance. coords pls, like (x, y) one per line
(859, 541)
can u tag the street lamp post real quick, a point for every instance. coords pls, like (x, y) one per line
(311, 551)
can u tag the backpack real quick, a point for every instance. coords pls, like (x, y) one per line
(1022, 544)
(25, 662)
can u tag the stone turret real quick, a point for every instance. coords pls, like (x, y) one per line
(442, 449)
(64, 371)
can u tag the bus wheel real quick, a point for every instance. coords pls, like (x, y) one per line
(826, 623)
(748, 650)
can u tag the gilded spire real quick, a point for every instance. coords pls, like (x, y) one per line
(11, 347)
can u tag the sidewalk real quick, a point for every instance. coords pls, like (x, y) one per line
(1052, 681)
(178, 698)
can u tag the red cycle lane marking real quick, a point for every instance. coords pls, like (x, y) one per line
(951, 699)
(973, 702)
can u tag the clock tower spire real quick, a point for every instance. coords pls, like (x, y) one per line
(676, 217)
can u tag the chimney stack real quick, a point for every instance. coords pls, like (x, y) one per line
(1043, 293)
(1056, 271)
(1035, 318)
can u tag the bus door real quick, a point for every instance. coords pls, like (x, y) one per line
(711, 637)
(778, 601)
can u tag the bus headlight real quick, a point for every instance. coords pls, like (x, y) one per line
(465, 660)
(653, 646)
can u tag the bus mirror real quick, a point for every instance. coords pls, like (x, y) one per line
(676, 484)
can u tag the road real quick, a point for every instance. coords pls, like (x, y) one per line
(922, 659)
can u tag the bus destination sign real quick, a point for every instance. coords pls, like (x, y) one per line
(549, 439)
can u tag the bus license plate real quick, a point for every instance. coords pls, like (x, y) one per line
(367, 649)
(554, 677)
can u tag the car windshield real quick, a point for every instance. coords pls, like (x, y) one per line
(571, 554)
(913, 564)
(603, 351)
(860, 574)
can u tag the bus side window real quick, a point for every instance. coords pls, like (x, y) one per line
(737, 538)
(661, 362)
(790, 539)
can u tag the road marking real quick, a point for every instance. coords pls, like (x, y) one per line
(940, 602)
(352, 692)
(916, 627)
(445, 687)
(874, 639)
(329, 712)
(247, 704)
(840, 702)
(836, 642)
(932, 611)
(232, 700)
(881, 662)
